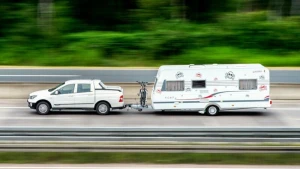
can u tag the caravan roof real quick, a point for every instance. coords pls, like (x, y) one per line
(208, 66)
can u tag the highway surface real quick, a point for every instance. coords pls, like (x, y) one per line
(15, 113)
(27, 75)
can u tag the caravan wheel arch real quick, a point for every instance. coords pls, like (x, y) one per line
(213, 104)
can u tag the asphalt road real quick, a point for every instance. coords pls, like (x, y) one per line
(116, 75)
(14, 113)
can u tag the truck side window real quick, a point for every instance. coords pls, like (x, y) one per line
(174, 85)
(68, 89)
(83, 88)
(198, 84)
(248, 84)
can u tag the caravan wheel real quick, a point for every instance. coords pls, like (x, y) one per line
(212, 110)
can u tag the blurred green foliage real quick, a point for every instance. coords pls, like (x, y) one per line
(148, 32)
(149, 158)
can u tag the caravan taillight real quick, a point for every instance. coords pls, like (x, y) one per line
(121, 99)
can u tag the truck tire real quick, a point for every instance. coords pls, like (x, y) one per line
(103, 108)
(212, 110)
(43, 108)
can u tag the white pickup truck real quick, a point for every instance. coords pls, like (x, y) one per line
(78, 94)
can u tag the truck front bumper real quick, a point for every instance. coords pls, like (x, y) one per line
(31, 105)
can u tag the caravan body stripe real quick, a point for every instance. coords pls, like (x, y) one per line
(216, 101)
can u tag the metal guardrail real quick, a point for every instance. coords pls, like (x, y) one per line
(152, 134)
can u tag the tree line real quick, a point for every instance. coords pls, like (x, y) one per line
(119, 15)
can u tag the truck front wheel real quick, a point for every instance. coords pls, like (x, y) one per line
(43, 108)
(103, 108)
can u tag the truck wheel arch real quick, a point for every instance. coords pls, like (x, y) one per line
(43, 101)
(100, 102)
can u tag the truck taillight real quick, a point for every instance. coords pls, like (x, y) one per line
(121, 99)
(271, 102)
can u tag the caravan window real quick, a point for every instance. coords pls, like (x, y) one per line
(198, 84)
(248, 84)
(174, 85)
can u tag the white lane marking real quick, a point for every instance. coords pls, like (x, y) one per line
(14, 107)
(281, 108)
(33, 118)
(287, 102)
(39, 75)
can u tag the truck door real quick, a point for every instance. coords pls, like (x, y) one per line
(84, 97)
(65, 97)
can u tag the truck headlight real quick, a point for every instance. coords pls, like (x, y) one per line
(32, 97)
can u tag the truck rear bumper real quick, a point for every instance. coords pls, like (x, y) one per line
(114, 108)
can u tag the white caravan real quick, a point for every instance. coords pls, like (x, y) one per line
(210, 88)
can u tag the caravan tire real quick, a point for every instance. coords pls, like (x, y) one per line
(212, 110)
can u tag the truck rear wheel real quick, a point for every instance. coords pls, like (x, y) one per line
(103, 108)
(212, 110)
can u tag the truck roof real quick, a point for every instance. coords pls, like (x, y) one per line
(82, 81)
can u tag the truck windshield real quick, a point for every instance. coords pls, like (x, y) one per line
(50, 90)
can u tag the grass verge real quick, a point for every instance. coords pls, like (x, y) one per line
(154, 158)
